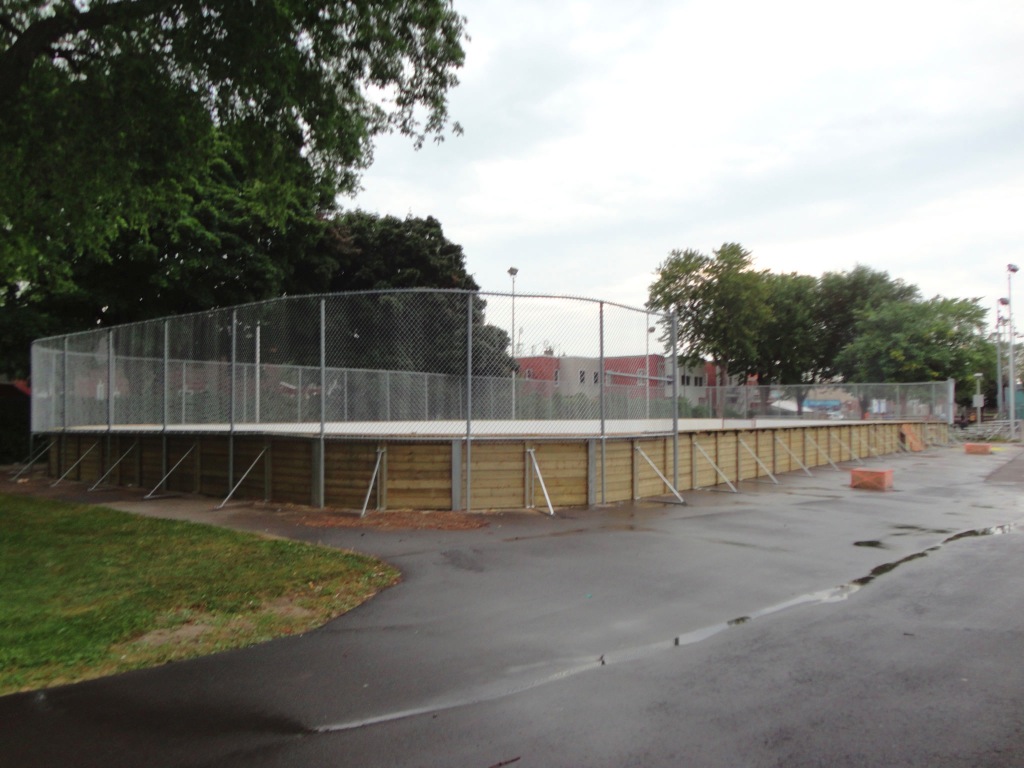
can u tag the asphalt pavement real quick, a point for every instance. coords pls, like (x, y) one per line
(806, 623)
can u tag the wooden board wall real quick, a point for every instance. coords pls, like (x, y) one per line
(348, 468)
(418, 475)
(564, 469)
(499, 475)
(291, 471)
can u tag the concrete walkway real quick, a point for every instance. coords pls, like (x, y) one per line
(800, 624)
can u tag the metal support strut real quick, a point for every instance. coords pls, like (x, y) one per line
(794, 457)
(33, 458)
(659, 474)
(543, 487)
(757, 458)
(163, 480)
(113, 466)
(850, 449)
(72, 467)
(717, 469)
(241, 480)
(373, 480)
(822, 452)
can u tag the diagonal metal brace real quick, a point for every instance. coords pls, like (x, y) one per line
(241, 480)
(659, 474)
(757, 458)
(72, 467)
(163, 480)
(106, 474)
(721, 474)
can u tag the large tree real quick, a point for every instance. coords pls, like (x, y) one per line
(788, 345)
(841, 299)
(721, 304)
(109, 109)
(362, 251)
(917, 341)
(228, 236)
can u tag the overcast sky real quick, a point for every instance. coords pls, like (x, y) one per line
(601, 135)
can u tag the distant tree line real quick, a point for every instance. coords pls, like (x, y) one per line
(856, 326)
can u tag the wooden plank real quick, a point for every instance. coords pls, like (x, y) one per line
(706, 475)
(419, 476)
(660, 452)
(768, 450)
(685, 472)
(498, 474)
(564, 469)
(618, 471)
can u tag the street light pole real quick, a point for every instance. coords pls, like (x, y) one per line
(512, 271)
(977, 399)
(1010, 270)
(999, 364)
(647, 367)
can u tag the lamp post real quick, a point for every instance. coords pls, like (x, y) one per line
(647, 368)
(999, 364)
(1010, 269)
(512, 271)
(977, 398)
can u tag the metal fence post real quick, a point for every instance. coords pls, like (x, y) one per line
(110, 381)
(469, 401)
(322, 458)
(167, 400)
(256, 385)
(601, 397)
(675, 399)
(231, 400)
(64, 389)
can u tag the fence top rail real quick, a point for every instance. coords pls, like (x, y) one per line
(348, 294)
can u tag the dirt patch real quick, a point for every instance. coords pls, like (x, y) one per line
(186, 633)
(329, 517)
(388, 521)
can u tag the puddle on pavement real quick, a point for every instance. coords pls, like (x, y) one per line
(907, 530)
(997, 530)
(872, 543)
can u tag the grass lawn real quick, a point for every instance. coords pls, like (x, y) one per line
(87, 591)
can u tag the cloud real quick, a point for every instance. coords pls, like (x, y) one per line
(599, 135)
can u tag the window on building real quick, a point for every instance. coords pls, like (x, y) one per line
(698, 381)
(556, 377)
(529, 373)
(686, 380)
(583, 377)
(597, 377)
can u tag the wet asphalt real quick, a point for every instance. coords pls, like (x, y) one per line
(802, 624)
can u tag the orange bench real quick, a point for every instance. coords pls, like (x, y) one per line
(981, 449)
(871, 479)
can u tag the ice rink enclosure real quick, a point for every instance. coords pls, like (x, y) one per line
(430, 399)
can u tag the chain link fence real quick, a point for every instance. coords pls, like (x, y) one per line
(928, 401)
(417, 362)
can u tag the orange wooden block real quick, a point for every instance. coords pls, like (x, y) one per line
(981, 449)
(871, 479)
(912, 440)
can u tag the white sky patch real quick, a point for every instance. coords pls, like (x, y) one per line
(601, 135)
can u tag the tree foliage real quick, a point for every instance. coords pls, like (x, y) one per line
(908, 341)
(789, 343)
(842, 297)
(793, 329)
(721, 305)
(110, 109)
(362, 251)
